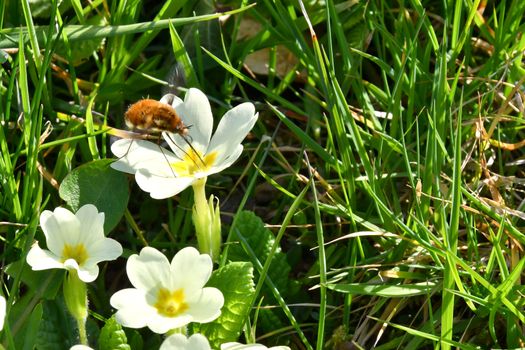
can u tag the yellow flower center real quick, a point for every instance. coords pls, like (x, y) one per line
(170, 303)
(193, 162)
(76, 252)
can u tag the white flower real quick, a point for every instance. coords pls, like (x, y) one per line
(180, 342)
(80, 347)
(167, 296)
(75, 242)
(239, 346)
(164, 173)
(3, 305)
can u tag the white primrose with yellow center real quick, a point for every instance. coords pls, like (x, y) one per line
(74, 242)
(167, 295)
(164, 173)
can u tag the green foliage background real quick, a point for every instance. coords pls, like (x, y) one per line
(386, 164)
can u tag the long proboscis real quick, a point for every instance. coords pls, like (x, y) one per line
(189, 144)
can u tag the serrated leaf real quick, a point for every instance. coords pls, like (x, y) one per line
(235, 281)
(261, 240)
(112, 336)
(99, 184)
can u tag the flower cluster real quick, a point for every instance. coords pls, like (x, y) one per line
(166, 295)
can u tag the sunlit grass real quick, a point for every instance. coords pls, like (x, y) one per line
(385, 163)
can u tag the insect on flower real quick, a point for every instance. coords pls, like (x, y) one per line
(154, 116)
(208, 154)
(149, 116)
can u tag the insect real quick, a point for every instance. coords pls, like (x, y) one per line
(154, 117)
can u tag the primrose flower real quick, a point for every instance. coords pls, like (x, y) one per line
(180, 342)
(239, 346)
(164, 173)
(75, 242)
(167, 296)
(3, 306)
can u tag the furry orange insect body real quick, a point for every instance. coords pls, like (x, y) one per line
(153, 116)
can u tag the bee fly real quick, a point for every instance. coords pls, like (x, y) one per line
(154, 117)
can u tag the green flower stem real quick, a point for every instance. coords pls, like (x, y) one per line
(75, 296)
(206, 218)
(180, 330)
(81, 324)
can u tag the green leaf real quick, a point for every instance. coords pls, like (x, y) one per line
(235, 281)
(261, 240)
(45, 284)
(31, 331)
(10, 36)
(97, 183)
(58, 329)
(112, 336)
(40, 8)
(83, 49)
(24, 320)
(384, 290)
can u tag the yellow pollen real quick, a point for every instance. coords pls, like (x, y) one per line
(76, 252)
(170, 304)
(193, 162)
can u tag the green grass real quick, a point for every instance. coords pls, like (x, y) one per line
(394, 126)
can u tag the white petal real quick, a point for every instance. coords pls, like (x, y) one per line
(171, 99)
(40, 259)
(148, 270)
(225, 162)
(206, 306)
(196, 114)
(105, 249)
(137, 154)
(88, 273)
(71, 264)
(133, 311)
(80, 347)
(179, 145)
(232, 129)
(161, 187)
(60, 226)
(2, 311)
(180, 342)
(190, 269)
(91, 224)
(127, 298)
(239, 346)
(175, 342)
(160, 324)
